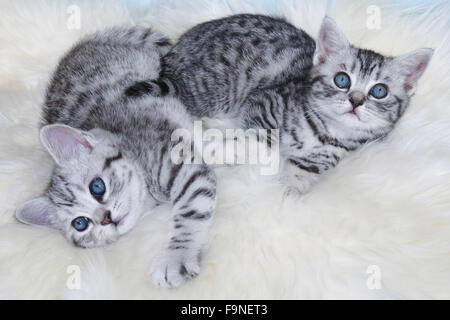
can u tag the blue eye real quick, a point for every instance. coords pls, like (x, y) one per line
(80, 223)
(342, 80)
(97, 187)
(379, 91)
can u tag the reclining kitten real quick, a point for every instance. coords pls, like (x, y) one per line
(326, 97)
(113, 153)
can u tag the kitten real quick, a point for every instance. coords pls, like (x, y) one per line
(113, 153)
(327, 97)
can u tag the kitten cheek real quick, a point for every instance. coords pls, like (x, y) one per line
(347, 105)
(343, 107)
(364, 116)
(124, 227)
(126, 223)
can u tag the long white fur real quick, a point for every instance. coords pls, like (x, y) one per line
(387, 206)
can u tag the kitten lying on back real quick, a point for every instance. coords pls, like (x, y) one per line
(327, 97)
(113, 153)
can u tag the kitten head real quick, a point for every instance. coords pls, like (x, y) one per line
(359, 89)
(95, 193)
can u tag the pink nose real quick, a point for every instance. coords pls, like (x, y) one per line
(107, 218)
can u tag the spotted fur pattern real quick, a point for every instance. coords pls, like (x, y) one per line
(262, 72)
(95, 128)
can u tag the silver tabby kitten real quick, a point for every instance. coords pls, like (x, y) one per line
(113, 153)
(327, 97)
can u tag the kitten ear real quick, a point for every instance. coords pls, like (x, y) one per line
(330, 41)
(65, 143)
(412, 65)
(36, 211)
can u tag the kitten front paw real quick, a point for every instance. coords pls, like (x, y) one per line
(172, 268)
(299, 185)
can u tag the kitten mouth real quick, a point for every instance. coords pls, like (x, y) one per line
(119, 221)
(108, 220)
(353, 113)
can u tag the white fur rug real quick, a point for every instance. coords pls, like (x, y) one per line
(385, 210)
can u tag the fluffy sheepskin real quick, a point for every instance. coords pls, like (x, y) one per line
(386, 206)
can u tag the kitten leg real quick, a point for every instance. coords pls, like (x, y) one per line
(193, 195)
(298, 182)
(303, 169)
